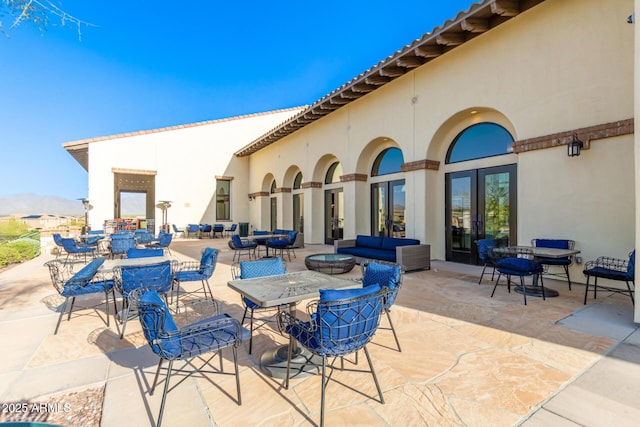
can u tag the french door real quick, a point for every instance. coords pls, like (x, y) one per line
(480, 203)
(333, 215)
(388, 209)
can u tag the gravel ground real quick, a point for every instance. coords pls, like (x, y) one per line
(76, 409)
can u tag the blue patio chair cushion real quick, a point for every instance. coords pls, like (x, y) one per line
(157, 322)
(609, 273)
(219, 338)
(157, 276)
(218, 228)
(385, 275)
(238, 243)
(518, 266)
(143, 253)
(556, 244)
(81, 283)
(261, 268)
(484, 248)
(260, 233)
(208, 262)
(340, 328)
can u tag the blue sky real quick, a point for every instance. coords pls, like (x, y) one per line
(150, 64)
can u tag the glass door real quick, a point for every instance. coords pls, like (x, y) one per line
(480, 203)
(334, 215)
(388, 209)
(274, 213)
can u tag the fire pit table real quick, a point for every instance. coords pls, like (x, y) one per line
(330, 263)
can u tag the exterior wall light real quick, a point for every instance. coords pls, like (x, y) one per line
(574, 147)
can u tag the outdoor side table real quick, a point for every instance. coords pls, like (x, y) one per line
(330, 263)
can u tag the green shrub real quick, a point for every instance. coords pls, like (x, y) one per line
(19, 250)
(13, 228)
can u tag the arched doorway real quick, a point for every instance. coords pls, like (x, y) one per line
(481, 202)
(333, 204)
(388, 196)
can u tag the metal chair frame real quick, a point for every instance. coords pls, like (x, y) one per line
(612, 269)
(68, 285)
(535, 270)
(210, 335)
(337, 328)
(571, 244)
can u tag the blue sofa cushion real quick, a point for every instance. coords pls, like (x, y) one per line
(390, 243)
(369, 253)
(374, 242)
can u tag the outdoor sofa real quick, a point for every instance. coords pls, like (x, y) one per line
(408, 252)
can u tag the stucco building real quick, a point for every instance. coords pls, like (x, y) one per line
(461, 134)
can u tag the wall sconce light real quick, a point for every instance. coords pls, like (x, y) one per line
(574, 147)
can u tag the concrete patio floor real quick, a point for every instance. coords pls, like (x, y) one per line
(467, 359)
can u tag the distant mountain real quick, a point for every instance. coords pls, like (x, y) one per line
(31, 204)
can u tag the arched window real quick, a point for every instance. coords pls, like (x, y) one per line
(273, 187)
(479, 141)
(297, 182)
(388, 161)
(334, 173)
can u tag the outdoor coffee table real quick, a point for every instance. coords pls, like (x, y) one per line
(330, 263)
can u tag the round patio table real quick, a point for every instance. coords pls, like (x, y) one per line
(330, 263)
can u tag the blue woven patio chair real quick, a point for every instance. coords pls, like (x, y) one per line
(120, 244)
(142, 236)
(217, 228)
(177, 231)
(163, 242)
(559, 262)
(205, 230)
(158, 276)
(519, 262)
(613, 269)
(144, 253)
(191, 342)
(84, 282)
(487, 256)
(243, 247)
(230, 230)
(77, 250)
(389, 277)
(193, 229)
(284, 244)
(342, 322)
(57, 239)
(250, 270)
(191, 271)
(262, 243)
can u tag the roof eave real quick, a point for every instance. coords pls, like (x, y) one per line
(478, 19)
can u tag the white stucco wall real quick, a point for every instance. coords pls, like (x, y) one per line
(563, 65)
(187, 161)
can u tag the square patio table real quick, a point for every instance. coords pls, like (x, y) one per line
(290, 288)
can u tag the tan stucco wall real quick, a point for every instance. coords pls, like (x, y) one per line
(563, 65)
(187, 161)
(637, 134)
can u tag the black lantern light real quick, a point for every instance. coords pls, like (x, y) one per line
(574, 147)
